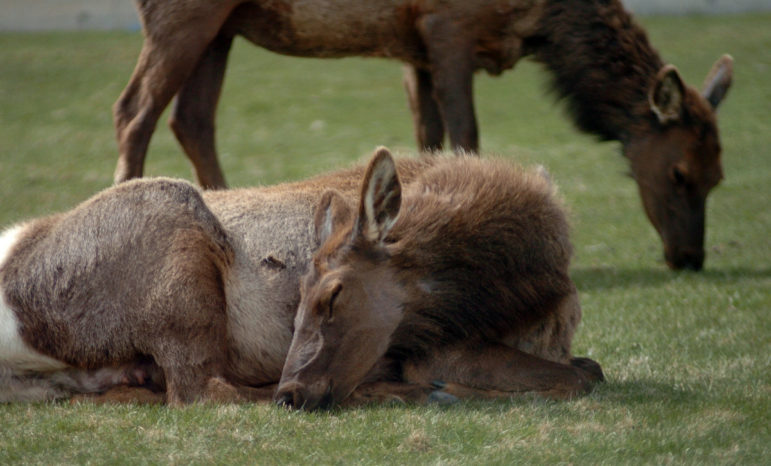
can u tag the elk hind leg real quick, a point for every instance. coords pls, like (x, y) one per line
(429, 128)
(187, 334)
(195, 106)
(171, 50)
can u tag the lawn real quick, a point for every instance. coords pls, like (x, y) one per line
(687, 355)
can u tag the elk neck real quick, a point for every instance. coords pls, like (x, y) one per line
(602, 64)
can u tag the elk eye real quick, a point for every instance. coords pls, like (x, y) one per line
(332, 297)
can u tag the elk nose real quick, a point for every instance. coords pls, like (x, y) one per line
(690, 260)
(292, 399)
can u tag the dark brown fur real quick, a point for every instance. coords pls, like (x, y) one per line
(471, 277)
(487, 243)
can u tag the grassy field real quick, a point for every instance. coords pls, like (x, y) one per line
(687, 355)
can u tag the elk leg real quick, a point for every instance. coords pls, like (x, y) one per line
(437, 392)
(170, 52)
(141, 395)
(192, 119)
(499, 368)
(452, 70)
(429, 129)
(121, 395)
(395, 392)
(262, 394)
(185, 331)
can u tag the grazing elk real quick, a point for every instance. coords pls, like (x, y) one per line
(460, 275)
(615, 84)
(154, 284)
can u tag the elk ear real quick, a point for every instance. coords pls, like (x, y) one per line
(718, 80)
(332, 214)
(666, 95)
(381, 197)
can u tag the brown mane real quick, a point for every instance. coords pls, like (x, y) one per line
(604, 71)
(493, 243)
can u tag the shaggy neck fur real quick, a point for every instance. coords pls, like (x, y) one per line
(602, 63)
(508, 263)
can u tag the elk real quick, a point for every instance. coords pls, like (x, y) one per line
(152, 283)
(460, 275)
(176, 294)
(616, 85)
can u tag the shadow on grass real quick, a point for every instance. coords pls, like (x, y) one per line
(603, 278)
(609, 393)
(643, 391)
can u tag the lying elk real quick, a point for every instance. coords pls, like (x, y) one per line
(459, 276)
(153, 284)
(616, 85)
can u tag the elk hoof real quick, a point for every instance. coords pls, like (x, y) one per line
(438, 384)
(591, 368)
(442, 398)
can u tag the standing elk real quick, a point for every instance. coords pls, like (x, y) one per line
(153, 284)
(615, 83)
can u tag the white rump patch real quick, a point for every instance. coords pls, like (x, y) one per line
(7, 239)
(14, 353)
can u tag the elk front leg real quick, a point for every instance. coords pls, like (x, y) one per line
(429, 129)
(192, 119)
(452, 68)
(503, 371)
(399, 392)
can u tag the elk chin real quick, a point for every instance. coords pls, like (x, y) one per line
(295, 395)
(684, 243)
(684, 259)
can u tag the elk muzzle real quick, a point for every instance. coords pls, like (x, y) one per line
(295, 395)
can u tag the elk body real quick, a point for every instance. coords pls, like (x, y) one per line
(460, 275)
(154, 284)
(616, 85)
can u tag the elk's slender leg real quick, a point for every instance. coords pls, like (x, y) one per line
(499, 368)
(195, 106)
(429, 128)
(385, 392)
(452, 70)
(170, 52)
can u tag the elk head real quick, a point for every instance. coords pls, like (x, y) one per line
(676, 161)
(350, 301)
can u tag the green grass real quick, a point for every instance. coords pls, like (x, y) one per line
(687, 355)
